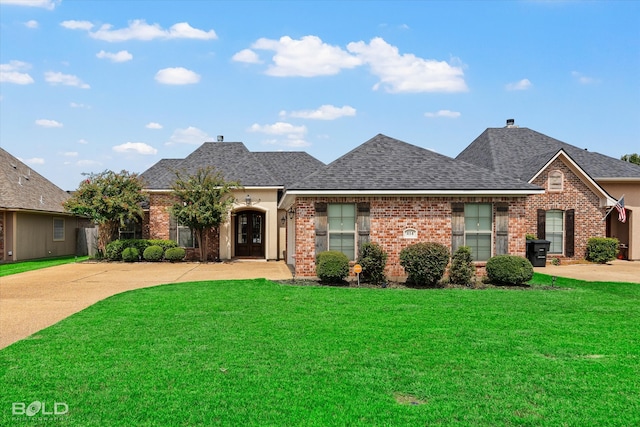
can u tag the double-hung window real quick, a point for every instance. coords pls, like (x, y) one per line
(554, 230)
(58, 229)
(185, 237)
(342, 228)
(478, 229)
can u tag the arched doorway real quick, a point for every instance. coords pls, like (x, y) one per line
(249, 232)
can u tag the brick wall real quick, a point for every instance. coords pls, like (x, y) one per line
(390, 216)
(575, 195)
(156, 226)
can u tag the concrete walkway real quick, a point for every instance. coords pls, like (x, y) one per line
(37, 299)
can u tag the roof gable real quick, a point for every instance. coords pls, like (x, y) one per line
(521, 152)
(387, 164)
(23, 188)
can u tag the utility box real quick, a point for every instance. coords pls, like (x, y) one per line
(537, 252)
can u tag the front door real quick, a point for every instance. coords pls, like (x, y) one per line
(250, 234)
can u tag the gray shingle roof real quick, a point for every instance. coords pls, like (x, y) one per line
(236, 163)
(521, 152)
(23, 188)
(288, 166)
(385, 163)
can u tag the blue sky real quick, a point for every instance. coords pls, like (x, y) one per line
(87, 86)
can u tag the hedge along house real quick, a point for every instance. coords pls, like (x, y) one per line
(580, 187)
(255, 227)
(395, 194)
(33, 223)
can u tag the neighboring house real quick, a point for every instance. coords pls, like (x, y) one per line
(33, 223)
(395, 194)
(580, 188)
(256, 227)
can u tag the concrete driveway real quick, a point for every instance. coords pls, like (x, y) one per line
(37, 299)
(615, 271)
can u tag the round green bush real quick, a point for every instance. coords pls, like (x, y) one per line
(153, 253)
(373, 261)
(425, 263)
(332, 266)
(509, 270)
(130, 254)
(175, 254)
(602, 249)
(462, 268)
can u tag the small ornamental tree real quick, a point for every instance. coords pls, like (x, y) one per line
(109, 199)
(203, 201)
(631, 158)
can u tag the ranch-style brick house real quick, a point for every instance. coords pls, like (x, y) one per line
(395, 194)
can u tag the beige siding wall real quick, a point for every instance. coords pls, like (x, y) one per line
(34, 237)
(628, 232)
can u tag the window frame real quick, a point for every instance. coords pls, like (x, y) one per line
(58, 238)
(561, 234)
(479, 231)
(342, 232)
(194, 241)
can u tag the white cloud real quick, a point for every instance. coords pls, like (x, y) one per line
(83, 141)
(55, 78)
(153, 125)
(444, 113)
(582, 79)
(523, 84)
(35, 161)
(406, 72)
(87, 162)
(306, 57)
(77, 105)
(46, 4)
(177, 76)
(77, 25)
(46, 123)
(32, 24)
(190, 135)
(287, 134)
(140, 30)
(70, 154)
(325, 112)
(122, 56)
(14, 72)
(248, 56)
(135, 147)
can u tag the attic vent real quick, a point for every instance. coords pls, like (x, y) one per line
(220, 138)
(511, 123)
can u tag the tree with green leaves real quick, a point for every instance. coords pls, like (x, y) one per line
(203, 201)
(631, 158)
(110, 199)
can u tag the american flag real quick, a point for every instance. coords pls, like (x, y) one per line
(622, 213)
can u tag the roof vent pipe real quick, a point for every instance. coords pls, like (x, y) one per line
(220, 138)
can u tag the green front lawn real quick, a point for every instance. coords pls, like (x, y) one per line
(254, 352)
(22, 266)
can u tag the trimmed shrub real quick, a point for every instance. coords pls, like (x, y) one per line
(114, 249)
(425, 263)
(130, 254)
(509, 270)
(175, 254)
(373, 261)
(153, 253)
(332, 266)
(462, 267)
(602, 249)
